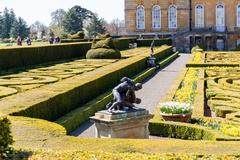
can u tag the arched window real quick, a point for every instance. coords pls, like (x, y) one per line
(199, 16)
(238, 15)
(156, 17)
(220, 17)
(172, 17)
(140, 17)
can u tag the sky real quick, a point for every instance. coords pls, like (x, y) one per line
(33, 10)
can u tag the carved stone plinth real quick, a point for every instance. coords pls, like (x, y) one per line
(123, 124)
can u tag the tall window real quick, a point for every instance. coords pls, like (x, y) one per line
(140, 17)
(199, 16)
(238, 15)
(172, 17)
(156, 17)
(220, 17)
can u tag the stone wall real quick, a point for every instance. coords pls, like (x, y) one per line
(130, 14)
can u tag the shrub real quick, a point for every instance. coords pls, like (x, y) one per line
(102, 53)
(103, 49)
(5, 138)
(25, 56)
(105, 43)
(180, 130)
(78, 35)
(55, 100)
(122, 43)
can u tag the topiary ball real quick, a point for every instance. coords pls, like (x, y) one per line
(103, 53)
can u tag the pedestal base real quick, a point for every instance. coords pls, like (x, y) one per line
(123, 124)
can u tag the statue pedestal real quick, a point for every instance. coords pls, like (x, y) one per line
(122, 124)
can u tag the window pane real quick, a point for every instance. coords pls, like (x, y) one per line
(156, 17)
(238, 16)
(199, 16)
(172, 17)
(140, 17)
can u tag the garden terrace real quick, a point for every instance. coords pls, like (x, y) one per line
(221, 91)
(216, 59)
(50, 92)
(49, 140)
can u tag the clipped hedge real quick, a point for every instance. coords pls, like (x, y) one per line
(26, 56)
(122, 43)
(43, 136)
(87, 155)
(168, 60)
(55, 100)
(103, 53)
(180, 131)
(6, 138)
(158, 42)
(75, 40)
(103, 49)
(75, 118)
(194, 65)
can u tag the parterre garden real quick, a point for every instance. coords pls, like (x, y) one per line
(46, 101)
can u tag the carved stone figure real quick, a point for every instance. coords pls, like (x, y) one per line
(124, 95)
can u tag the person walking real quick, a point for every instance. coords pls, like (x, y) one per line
(19, 41)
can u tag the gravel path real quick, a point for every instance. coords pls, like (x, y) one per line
(153, 90)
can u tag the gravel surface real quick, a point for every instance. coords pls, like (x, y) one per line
(154, 88)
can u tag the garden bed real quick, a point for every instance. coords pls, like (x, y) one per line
(221, 89)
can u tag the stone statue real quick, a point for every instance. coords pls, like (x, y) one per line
(151, 61)
(152, 47)
(124, 95)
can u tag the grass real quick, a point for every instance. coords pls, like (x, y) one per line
(4, 45)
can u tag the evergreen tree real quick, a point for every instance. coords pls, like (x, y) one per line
(74, 19)
(19, 28)
(1, 23)
(96, 26)
(8, 18)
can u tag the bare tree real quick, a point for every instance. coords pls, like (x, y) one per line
(116, 27)
(56, 25)
(38, 30)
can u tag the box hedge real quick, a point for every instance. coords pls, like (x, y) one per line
(75, 118)
(6, 138)
(123, 43)
(180, 131)
(120, 43)
(157, 42)
(26, 56)
(55, 100)
(202, 65)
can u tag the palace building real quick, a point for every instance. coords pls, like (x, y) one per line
(215, 24)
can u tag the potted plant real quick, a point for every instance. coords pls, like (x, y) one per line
(175, 111)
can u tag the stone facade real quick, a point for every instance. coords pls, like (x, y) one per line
(210, 35)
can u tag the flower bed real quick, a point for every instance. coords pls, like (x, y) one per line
(222, 93)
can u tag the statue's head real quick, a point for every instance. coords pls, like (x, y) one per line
(138, 86)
